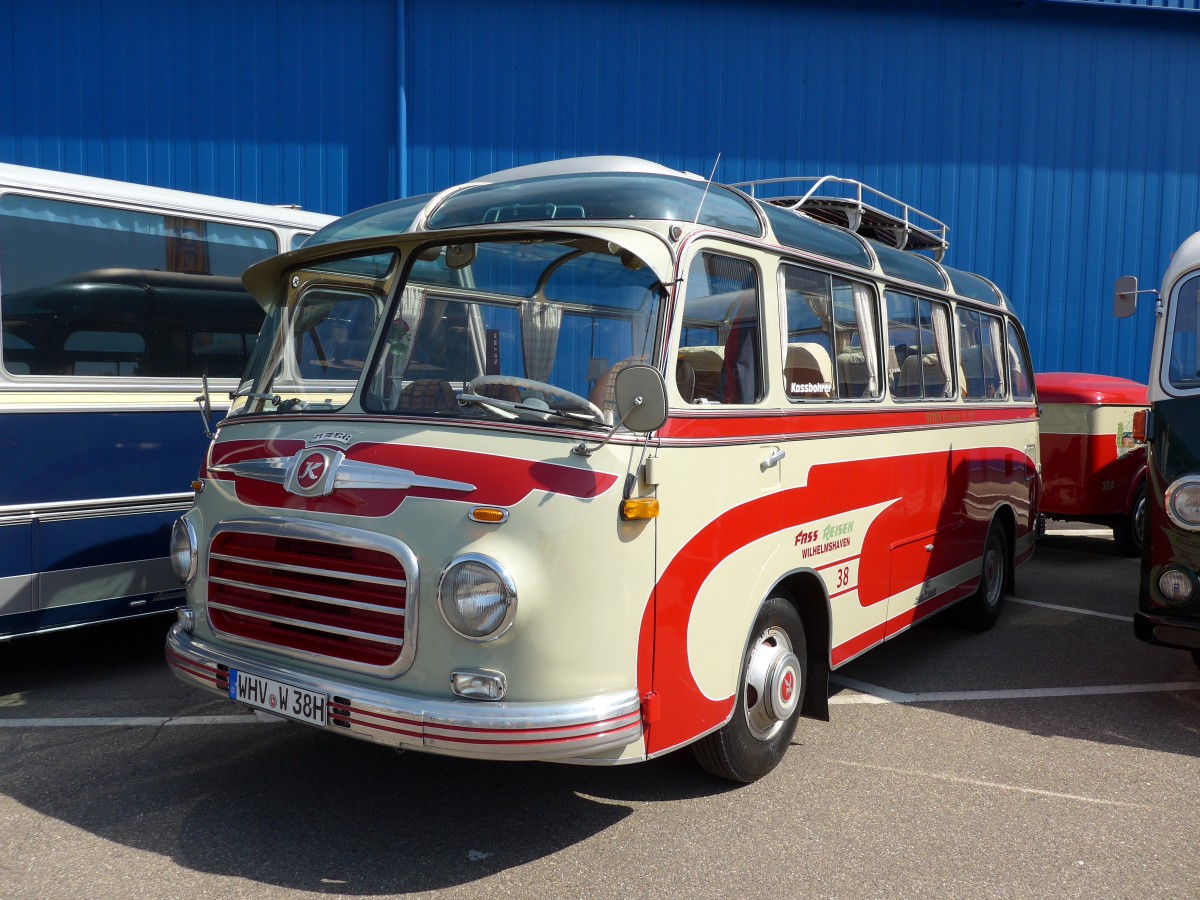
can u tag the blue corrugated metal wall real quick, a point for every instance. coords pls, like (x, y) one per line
(1056, 138)
(276, 101)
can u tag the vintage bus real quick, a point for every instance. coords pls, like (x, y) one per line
(116, 300)
(1169, 596)
(1093, 468)
(591, 460)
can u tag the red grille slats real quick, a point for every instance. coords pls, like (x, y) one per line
(339, 601)
(334, 593)
(267, 563)
(309, 641)
(271, 610)
(346, 560)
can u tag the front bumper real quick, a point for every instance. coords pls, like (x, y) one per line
(477, 729)
(1167, 631)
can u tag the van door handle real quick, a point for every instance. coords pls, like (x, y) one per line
(772, 460)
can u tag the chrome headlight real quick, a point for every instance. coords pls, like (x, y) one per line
(183, 550)
(1183, 502)
(477, 597)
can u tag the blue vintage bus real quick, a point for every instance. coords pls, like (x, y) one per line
(117, 301)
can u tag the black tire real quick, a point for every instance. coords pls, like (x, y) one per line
(980, 611)
(755, 739)
(1129, 531)
(1196, 657)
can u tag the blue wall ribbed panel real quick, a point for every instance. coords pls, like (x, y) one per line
(277, 102)
(1057, 140)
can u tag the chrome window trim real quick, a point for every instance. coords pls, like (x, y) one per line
(301, 529)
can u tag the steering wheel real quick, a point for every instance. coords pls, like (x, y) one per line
(530, 385)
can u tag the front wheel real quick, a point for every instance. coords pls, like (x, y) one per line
(1129, 530)
(770, 694)
(980, 611)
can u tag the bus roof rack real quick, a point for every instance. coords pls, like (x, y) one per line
(840, 201)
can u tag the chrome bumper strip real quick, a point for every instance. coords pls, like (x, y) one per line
(478, 729)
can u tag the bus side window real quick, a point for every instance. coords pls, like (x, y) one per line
(919, 333)
(722, 304)
(1018, 365)
(830, 349)
(980, 355)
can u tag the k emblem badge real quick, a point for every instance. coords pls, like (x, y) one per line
(313, 472)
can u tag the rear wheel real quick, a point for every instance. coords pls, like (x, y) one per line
(770, 694)
(980, 611)
(1129, 531)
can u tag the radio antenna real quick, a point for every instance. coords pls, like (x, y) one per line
(711, 176)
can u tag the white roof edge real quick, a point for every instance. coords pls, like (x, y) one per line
(582, 165)
(105, 189)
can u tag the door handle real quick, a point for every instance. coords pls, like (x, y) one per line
(772, 460)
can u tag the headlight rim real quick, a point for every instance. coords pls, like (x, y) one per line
(1188, 575)
(505, 578)
(1178, 485)
(189, 530)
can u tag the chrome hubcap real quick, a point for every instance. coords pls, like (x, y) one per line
(993, 574)
(773, 683)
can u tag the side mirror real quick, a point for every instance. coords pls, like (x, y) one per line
(641, 398)
(1125, 296)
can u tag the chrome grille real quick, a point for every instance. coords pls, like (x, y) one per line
(320, 592)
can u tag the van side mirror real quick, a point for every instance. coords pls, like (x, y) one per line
(1125, 296)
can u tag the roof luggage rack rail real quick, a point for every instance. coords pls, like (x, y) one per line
(906, 228)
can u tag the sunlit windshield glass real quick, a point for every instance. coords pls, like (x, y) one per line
(315, 343)
(529, 330)
(1183, 366)
(518, 330)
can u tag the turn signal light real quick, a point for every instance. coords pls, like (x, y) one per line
(489, 514)
(1139, 426)
(642, 508)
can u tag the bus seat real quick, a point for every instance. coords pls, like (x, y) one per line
(706, 363)
(853, 374)
(685, 379)
(806, 368)
(970, 370)
(921, 376)
(741, 373)
(426, 395)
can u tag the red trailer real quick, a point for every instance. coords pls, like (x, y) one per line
(1093, 469)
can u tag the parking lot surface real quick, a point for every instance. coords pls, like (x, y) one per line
(1054, 756)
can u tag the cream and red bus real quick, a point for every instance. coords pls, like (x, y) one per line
(591, 460)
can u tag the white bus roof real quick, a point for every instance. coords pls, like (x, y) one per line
(107, 190)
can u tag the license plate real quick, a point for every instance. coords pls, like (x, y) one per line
(279, 698)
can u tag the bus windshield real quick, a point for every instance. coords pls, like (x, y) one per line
(509, 329)
(1183, 366)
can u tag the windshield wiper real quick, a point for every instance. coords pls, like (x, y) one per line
(585, 418)
(255, 395)
(507, 409)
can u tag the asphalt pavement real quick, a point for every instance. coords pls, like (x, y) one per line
(1053, 756)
